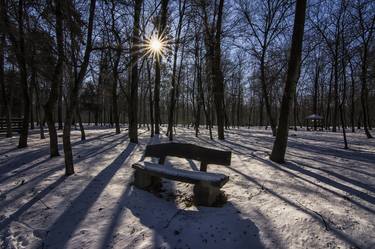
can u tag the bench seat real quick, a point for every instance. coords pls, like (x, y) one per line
(148, 175)
(182, 175)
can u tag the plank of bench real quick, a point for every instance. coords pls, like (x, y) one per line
(194, 177)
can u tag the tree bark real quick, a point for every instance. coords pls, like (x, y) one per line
(280, 144)
(172, 101)
(50, 105)
(20, 52)
(161, 29)
(3, 89)
(133, 97)
(73, 93)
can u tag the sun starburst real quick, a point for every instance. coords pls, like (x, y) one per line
(155, 46)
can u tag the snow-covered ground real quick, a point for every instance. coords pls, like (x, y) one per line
(323, 197)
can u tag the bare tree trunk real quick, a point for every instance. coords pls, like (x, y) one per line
(49, 107)
(218, 86)
(20, 52)
(161, 29)
(133, 97)
(316, 87)
(31, 94)
(151, 102)
(81, 128)
(59, 107)
(364, 93)
(265, 95)
(280, 144)
(115, 33)
(172, 102)
(352, 91)
(3, 89)
(39, 108)
(73, 93)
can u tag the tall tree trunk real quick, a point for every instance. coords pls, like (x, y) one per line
(161, 29)
(265, 94)
(352, 94)
(328, 110)
(151, 102)
(50, 106)
(114, 97)
(316, 87)
(81, 128)
(218, 79)
(39, 108)
(280, 144)
(20, 52)
(172, 101)
(3, 89)
(59, 107)
(31, 94)
(336, 90)
(24, 84)
(364, 92)
(73, 93)
(133, 97)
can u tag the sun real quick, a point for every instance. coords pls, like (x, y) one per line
(155, 46)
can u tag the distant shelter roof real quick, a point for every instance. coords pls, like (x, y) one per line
(314, 117)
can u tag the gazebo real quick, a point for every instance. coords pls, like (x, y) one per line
(315, 118)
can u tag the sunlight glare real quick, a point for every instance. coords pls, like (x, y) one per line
(156, 45)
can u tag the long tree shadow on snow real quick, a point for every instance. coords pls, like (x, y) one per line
(68, 222)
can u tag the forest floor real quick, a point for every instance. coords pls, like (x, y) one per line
(323, 197)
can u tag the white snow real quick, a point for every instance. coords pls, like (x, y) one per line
(323, 197)
(182, 174)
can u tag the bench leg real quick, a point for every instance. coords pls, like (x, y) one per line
(205, 195)
(143, 180)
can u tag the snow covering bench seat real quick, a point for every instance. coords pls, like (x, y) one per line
(206, 185)
(182, 175)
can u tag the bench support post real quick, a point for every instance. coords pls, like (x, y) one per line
(205, 194)
(144, 180)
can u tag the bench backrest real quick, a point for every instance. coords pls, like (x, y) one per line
(189, 151)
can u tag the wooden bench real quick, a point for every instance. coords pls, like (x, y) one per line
(206, 185)
(16, 124)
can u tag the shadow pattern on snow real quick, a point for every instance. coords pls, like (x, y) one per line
(64, 227)
(207, 227)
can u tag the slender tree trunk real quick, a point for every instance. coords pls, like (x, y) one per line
(20, 52)
(172, 101)
(218, 79)
(328, 110)
(151, 102)
(3, 89)
(133, 97)
(265, 95)
(161, 29)
(39, 108)
(352, 91)
(114, 100)
(295, 112)
(24, 84)
(59, 107)
(81, 128)
(50, 105)
(364, 93)
(280, 144)
(31, 94)
(336, 89)
(74, 90)
(316, 87)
